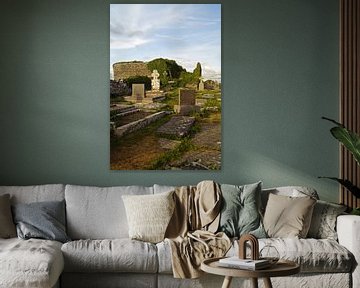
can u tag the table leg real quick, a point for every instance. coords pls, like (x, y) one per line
(267, 283)
(227, 282)
(254, 282)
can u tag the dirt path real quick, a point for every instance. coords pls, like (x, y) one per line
(207, 149)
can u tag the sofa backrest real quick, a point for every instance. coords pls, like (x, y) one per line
(163, 188)
(98, 212)
(36, 193)
(293, 191)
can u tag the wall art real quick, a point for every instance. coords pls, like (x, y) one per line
(165, 87)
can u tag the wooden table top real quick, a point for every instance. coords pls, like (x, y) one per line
(281, 268)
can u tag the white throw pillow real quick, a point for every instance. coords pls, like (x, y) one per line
(149, 215)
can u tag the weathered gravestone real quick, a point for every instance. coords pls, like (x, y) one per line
(186, 97)
(138, 92)
(201, 85)
(186, 102)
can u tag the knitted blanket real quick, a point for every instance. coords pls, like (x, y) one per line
(191, 232)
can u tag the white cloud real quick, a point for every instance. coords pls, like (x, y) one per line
(186, 33)
(128, 43)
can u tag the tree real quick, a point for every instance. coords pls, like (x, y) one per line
(168, 69)
(139, 80)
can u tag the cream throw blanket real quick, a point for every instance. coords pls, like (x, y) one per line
(191, 231)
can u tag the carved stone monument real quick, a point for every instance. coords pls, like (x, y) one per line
(155, 82)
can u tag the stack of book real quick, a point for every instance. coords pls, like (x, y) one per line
(248, 264)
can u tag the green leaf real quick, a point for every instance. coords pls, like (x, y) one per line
(333, 121)
(347, 184)
(355, 211)
(348, 138)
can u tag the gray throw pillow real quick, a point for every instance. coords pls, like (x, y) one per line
(323, 222)
(7, 226)
(240, 213)
(44, 220)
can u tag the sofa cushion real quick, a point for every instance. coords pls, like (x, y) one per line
(287, 216)
(98, 213)
(7, 226)
(313, 255)
(323, 222)
(36, 193)
(291, 191)
(43, 220)
(117, 255)
(163, 188)
(240, 210)
(30, 263)
(149, 215)
(109, 280)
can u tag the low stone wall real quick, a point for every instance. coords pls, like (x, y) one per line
(118, 109)
(122, 114)
(136, 125)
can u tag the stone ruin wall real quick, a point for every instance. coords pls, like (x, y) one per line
(123, 70)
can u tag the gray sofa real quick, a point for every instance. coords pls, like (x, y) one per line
(101, 254)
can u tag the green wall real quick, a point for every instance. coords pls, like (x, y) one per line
(280, 75)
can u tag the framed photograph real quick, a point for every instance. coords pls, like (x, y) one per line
(165, 87)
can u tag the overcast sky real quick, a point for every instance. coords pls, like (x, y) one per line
(186, 33)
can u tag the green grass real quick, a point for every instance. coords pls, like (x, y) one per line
(172, 155)
(136, 136)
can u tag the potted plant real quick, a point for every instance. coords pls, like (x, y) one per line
(351, 141)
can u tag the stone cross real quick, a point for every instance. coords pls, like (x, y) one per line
(155, 82)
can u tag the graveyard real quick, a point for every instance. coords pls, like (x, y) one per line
(177, 128)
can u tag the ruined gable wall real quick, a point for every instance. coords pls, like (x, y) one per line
(123, 70)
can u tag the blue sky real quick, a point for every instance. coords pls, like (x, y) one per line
(186, 33)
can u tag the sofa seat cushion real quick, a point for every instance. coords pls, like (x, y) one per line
(30, 263)
(115, 255)
(313, 255)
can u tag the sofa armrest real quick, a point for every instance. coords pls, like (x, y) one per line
(348, 230)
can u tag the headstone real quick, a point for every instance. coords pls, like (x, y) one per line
(186, 102)
(138, 92)
(201, 84)
(186, 97)
(155, 82)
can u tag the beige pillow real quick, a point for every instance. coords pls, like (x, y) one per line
(7, 226)
(149, 215)
(288, 217)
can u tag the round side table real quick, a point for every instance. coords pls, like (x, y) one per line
(281, 268)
